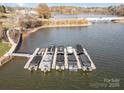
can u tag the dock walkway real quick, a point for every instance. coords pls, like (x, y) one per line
(92, 64)
(66, 61)
(78, 62)
(54, 59)
(40, 65)
(20, 55)
(44, 60)
(31, 58)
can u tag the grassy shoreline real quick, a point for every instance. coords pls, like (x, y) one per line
(4, 47)
(25, 34)
(119, 21)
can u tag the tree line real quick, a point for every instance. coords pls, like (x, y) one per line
(116, 10)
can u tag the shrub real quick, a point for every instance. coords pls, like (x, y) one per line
(3, 16)
(29, 22)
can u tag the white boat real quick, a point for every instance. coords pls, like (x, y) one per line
(46, 63)
(60, 68)
(73, 67)
(72, 62)
(35, 62)
(69, 50)
(60, 58)
(83, 58)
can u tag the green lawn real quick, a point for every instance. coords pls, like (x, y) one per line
(3, 48)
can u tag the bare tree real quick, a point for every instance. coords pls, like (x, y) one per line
(2, 32)
(43, 11)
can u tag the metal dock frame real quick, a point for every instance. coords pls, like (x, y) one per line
(40, 50)
(40, 65)
(92, 64)
(31, 58)
(77, 58)
(54, 59)
(66, 61)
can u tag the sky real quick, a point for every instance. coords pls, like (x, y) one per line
(61, 4)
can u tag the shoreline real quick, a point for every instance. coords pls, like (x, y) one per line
(116, 21)
(6, 57)
(25, 34)
(4, 48)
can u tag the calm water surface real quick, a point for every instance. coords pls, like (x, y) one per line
(64, 16)
(104, 43)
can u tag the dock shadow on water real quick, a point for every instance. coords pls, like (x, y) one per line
(18, 78)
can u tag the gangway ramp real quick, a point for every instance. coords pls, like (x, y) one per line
(20, 55)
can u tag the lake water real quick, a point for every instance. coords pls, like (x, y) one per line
(104, 43)
(64, 16)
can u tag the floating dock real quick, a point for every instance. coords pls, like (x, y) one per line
(54, 59)
(73, 61)
(36, 60)
(31, 58)
(46, 63)
(60, 58)
(77, 58)
(92, 64)
(66, 61)
(45, 53)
